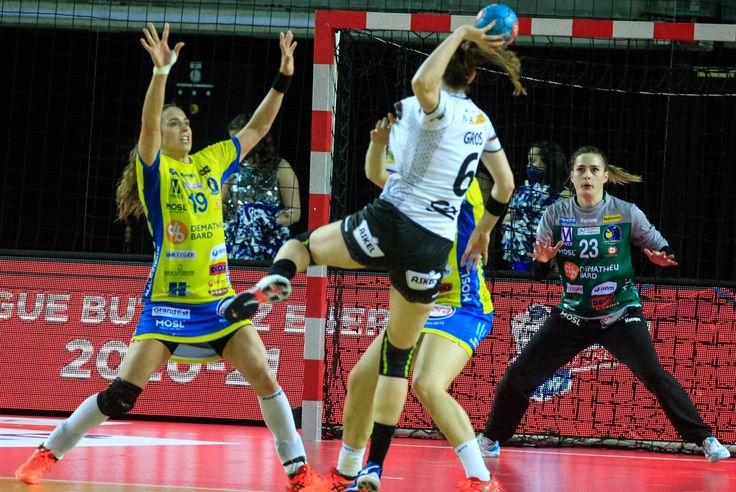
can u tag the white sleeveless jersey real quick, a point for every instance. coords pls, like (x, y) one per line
(436, 156)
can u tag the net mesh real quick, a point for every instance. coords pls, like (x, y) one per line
(664, 112)
(73, 112)
(593, 400)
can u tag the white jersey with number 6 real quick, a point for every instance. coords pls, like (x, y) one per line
(436, 156)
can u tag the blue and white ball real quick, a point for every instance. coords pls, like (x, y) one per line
(507, 23)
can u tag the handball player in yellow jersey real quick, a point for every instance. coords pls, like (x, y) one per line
(180, 193)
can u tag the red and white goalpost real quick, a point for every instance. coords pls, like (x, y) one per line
(326, 25)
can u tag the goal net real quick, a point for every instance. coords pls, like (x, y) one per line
(659, 100)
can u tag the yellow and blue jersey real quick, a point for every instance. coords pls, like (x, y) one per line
(463, 312)
(459, 288)
(183, 206)
(189, 280)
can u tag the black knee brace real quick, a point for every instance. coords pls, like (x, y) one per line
(395, 362)
(118, 399)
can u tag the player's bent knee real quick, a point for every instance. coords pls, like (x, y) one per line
(425, 388)
(395, 362)
(303, 237)
(262, 380)
(119, 398)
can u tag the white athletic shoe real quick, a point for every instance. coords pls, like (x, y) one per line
(714, 450)
(488, 447)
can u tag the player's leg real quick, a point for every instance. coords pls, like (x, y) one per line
(141, 360)
(398, 343)
(629, 341)
(323, 246)
(245, 350)
(438, 363)
(554, 345)
(404, 327)
(358, 411)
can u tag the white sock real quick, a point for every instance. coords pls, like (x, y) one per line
(472, 460)
(68, 433)
(279, 419)
(350, 460)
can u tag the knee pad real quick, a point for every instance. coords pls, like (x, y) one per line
(303, 237)
(395, 362)
(118, 399)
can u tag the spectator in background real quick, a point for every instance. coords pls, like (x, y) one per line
(546, 176)
(260, 201)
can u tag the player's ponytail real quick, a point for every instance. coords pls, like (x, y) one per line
(126, 192)
(504, 59)
(467, 58)
(620, 176)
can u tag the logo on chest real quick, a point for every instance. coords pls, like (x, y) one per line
(566, 235)
(612, 234)
(571, 270)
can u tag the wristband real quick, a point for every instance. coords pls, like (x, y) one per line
(281, 83)
(495, 207)
(166, 68)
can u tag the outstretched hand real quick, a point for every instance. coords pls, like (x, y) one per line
(381, 132)
(288, 45)
(660, 258)
(486, 42)
(158, 48)
(544, 251)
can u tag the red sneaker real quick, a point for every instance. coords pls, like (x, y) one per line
(304, 478)
(333, 481)
(473, 484)
(35, 467)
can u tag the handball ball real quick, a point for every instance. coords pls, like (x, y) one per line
(507, 24)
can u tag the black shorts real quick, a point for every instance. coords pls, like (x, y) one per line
(218, 345)
(380, 235)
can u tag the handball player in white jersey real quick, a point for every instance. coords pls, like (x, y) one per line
(438, 139)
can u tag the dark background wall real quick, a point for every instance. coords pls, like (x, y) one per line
(71, 105)
(650, 111)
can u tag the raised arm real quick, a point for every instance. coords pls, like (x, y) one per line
(264, 116)
(149, 141)
(375, 156)
(426, 82)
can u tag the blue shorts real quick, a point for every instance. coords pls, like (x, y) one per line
(463, 326)
(190, 325)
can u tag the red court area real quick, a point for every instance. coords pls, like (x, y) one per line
(122, 456)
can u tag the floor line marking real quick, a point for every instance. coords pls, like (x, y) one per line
(180, 487)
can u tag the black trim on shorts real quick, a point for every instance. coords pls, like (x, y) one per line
(218, 344)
